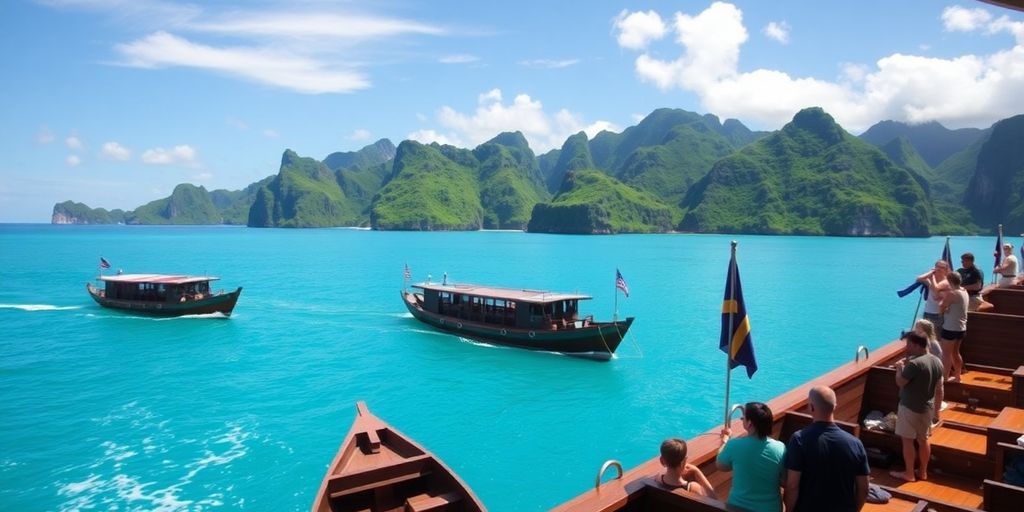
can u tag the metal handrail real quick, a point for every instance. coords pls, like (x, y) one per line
(604, 467)
(733, 410)
(860, 349)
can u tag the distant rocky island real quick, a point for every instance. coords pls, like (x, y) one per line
(673, 171)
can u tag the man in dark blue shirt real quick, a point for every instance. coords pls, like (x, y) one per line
(826, 468)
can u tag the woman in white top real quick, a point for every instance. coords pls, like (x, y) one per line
(954, 326)
(1008, 268)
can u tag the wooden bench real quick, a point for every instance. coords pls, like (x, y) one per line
(1002, 452)
(1000, 497)
(426, 502)
(793, 421)
(1008, 301)
(374, 478)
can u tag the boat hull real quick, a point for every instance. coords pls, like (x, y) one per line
(223, 303)
(598, 340)
(379, 468)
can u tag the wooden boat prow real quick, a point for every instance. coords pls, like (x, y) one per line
(378, 469)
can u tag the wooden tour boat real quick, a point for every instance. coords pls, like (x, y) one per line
(971, 448)
(163, 295)
(378, 469)
(531, 319)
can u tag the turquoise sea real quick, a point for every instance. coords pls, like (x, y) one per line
(101, 410)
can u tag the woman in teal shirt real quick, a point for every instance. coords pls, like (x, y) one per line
(756, 461)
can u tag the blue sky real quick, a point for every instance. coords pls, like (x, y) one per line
(114, 102)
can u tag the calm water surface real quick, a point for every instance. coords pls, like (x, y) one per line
(108, 411)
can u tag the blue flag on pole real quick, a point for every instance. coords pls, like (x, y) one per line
(999, 247)
(947, 256)
(736, 340)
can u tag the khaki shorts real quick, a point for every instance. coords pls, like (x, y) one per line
(914, 425)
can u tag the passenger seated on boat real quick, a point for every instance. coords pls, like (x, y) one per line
(756, 461)
(680, 475)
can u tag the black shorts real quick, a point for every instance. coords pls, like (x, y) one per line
(953, 335)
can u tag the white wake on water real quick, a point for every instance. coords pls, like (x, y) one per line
(123, 476)
(38, 307)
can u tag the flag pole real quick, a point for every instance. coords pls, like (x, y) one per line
(999, 251)
(728, 354)
(615, 314)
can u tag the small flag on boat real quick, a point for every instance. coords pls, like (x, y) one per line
(736, 340)
(104, 263)
(620, 283)
(999, 247)
(408, 273)
(947, 255)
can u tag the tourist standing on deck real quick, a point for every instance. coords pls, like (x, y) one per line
(973, 280)
(935, 280)
(954, 328)
(827, 468)
(1007, 269)
(925, 328)
(917, 376)
(755, 460)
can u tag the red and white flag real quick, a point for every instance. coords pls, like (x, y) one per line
(104, 263)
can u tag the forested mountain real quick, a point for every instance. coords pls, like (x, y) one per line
(369, 156)
(809, 178)
(593, 202)
(673, 170)
(996, 191)
(933, 141)
(70, 212)
(434, 187)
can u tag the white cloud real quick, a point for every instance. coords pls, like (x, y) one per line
(73, 142)
(969, 90)
(310, 47)
(73, 160)
(961, 19)
(428, 136)
(549, 63)
(182, 154)
(203, 176)
(359, 134)
(115, 151)
(458, 59)
(637, 29)
(778, 31)
(544, 131)
(270, 133)
(332, 25)
(45, 136)
(279, 68)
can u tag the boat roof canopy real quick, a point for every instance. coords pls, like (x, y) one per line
(157, 279)
(528, 296)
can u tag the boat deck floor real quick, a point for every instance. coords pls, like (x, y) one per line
(950, 489)
(985, 379)
(960, 413)
(957, 439)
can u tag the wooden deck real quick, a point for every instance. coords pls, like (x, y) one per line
(939, 487)
(979, 429)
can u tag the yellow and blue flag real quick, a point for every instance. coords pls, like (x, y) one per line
(736, 340)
